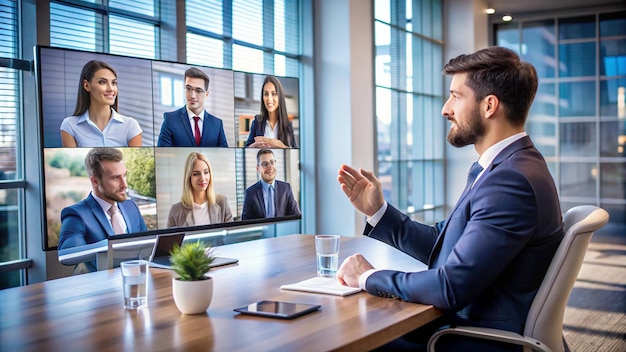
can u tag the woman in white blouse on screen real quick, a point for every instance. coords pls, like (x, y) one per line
(199, 204)
(95, 122)
(272, 128)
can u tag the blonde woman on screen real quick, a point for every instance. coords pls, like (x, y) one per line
(272, 128)
(199, 204)
(95, 122)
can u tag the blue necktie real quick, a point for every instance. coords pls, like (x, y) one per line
(270, 202)
(471, 177)
(446, 246)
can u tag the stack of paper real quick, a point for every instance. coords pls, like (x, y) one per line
(322, 285)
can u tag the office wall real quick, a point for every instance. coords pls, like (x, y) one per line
(465, 31)
(344, 105)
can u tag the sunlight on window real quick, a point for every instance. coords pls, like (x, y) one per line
(247, 21)
(204, 51)
(247, 59)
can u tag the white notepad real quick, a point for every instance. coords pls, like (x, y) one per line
(325, 285)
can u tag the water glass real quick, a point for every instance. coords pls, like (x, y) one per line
(135, 275)
(327, 250)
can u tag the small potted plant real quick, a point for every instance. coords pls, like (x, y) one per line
(192, 289)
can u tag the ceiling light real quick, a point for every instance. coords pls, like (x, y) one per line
(507, 18)
(490, 11)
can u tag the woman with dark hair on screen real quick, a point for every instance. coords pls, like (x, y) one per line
(199, 204)
(272, 128)
(95, 122)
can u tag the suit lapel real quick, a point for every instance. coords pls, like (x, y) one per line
(99, 214)
(184, 120)
(521, 143)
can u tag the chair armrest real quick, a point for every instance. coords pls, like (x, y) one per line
(489, 334)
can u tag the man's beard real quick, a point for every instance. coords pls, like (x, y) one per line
(113, 195)
(469, 133)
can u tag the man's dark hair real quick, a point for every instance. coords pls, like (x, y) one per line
(193, 72)
(499, 71)
(96, 156)
(261, 152)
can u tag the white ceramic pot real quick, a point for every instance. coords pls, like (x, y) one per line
(192, 297)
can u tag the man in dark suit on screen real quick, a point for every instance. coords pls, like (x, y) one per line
(106, 211)
(269, 197)
(488, 258)
(191, 125)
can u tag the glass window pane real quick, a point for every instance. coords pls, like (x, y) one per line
(204, 51)
(424, 67)
(425, 18)
(538, 48)
(132, 38)
(577, 99)
(577, 27)
(247, 59)
(8, 30)
(613, 98)
(613, 24)
(248, 21)
(508, 36)
(143, 7)
(206, 15)
(74, 28)
(613, 57)
(9, 113)
(381, 10)
(578, 139)
(9, 225)
(543, 133)
(578, 59)
(613, 137)
(613, 180)
(545, 101)
(578, 179)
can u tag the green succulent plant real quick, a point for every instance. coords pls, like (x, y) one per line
(191, 260)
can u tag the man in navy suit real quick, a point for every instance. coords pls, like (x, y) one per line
(488, 259)
(191, 125)
(106, 211)
(258, 202)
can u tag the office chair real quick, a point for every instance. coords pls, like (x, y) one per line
(543, 330)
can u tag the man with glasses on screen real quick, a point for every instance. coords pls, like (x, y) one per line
(191, 125)
(269, 197)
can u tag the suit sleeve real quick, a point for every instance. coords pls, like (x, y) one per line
(73, 229)
(247, 209)
(165, 137)
(222, 137)
(493, 227)
(252, 134)
(292, 207)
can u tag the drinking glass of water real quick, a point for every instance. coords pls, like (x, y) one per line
(327, 249)
(135, 274)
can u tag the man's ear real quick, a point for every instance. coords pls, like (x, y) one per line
(491, 104)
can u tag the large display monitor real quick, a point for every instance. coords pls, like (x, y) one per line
(147, 89)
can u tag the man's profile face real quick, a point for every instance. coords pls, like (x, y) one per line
(267, 167)
(195, 94)
(463, 112)
(112, 186)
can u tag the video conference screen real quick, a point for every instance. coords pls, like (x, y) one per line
(147, 92)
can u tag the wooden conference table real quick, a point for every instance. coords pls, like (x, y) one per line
(85, 312)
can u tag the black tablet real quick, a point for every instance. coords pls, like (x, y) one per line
(275, 309)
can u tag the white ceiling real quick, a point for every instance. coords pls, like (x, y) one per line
(529, 6)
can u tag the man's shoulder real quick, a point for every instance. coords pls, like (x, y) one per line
(254, 187)
(210, 117)
(171, 114)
